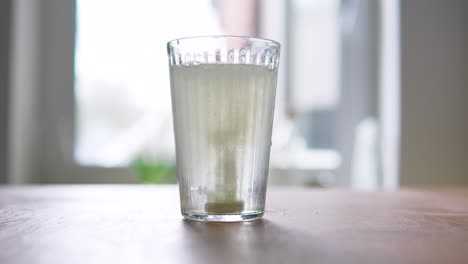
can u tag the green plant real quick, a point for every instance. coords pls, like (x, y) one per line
(156, 172)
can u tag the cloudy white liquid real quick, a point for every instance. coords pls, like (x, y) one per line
(223, 117)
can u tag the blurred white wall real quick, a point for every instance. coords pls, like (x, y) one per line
(434, 132)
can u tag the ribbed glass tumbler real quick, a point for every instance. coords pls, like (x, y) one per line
(223, 94)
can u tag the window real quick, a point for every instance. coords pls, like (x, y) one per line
(119, 110)
(122, 88)
(123, 104)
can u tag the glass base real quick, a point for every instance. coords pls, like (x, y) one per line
(207, 217)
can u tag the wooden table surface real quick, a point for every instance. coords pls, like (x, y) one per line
(142, 224)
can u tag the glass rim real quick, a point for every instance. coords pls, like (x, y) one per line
(265, 40)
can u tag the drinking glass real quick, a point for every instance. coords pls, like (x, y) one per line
(223, 95)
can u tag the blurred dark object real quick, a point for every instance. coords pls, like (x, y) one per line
(317, 128)
(5, 32)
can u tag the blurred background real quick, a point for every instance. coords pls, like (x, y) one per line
(371, 94)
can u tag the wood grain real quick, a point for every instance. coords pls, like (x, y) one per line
(142, 224)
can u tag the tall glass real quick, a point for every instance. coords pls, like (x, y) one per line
(223, 94)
